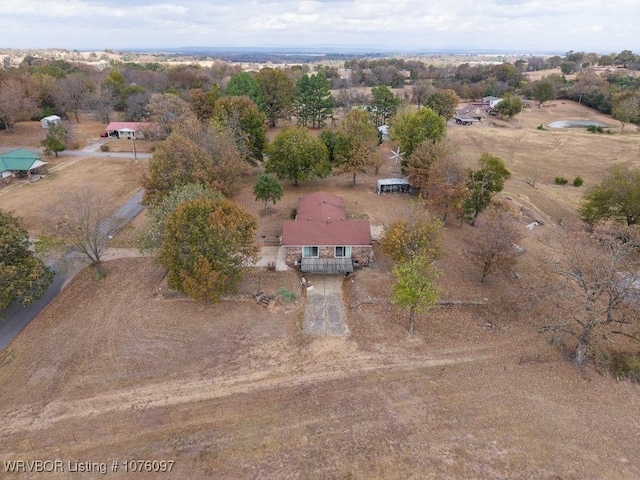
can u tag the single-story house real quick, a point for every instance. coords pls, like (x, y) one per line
(51, 119)
(463, 119)
(391, 185)
(476, 112)
(131, 129)
(19, 161)
(322, 239)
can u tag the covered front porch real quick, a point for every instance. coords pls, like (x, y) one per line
(326, 265)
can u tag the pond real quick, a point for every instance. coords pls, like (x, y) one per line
(575, 124)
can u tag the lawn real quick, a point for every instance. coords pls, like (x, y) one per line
(120, 369)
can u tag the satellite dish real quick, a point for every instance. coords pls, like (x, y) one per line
(396, 156)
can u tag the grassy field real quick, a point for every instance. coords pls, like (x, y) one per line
(120, 370)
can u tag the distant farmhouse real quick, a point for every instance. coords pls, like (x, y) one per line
(322, 239)
(476, 112)
(132, 130)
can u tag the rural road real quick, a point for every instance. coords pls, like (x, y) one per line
(90, 151)
(16, 317)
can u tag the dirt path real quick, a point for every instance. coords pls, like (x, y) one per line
(340, 361)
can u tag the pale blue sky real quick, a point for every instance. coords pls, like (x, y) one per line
(507, 25)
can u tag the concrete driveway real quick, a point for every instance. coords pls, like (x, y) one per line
(325, 314)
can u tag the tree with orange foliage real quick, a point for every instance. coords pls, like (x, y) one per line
(206, 244)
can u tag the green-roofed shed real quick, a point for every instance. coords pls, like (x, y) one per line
(19, 160)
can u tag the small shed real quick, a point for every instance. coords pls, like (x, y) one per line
(51, 119)
(391, 185)
(383, 132)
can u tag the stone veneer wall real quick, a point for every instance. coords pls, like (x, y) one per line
(360, 254)
(6, 180)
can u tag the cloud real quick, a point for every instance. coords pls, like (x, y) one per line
(508, 24)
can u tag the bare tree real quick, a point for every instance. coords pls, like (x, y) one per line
(102, 102)
(421, 91)
(168, 110)
(594, 286)
(15, 104)
(84, 224)
(71, 93)
(494, 245)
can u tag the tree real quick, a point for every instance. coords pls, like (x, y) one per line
(330, 138)
(268, 188)
(136, 106)
(626, 108)
(15, 103)
(384, 104)
(312, 100)
(588, 84)
(616, 197)
(168, 110)
(195, 152)
(151, 235)
(416, 235)
(446, 187)
(206, 243)
(484, 183)
(244, 84)
(421, 91)
(414, 287)
(102, 101)
(71, 95)
(203, 103)
(297, 156)
(355, 149)
(543, 91)
(246, 123)
(23, 276)
(418, 166)
(444, 103)
(492, 247)
(509, 106)
(348, 98)
(83, 223)
(54, 142)
(277, 91)
(410, 129)
(593, 287)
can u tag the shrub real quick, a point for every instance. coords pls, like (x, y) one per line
(542, 127)
(578, 181)
(104, 148)
(271, 266)
(561, 181)
(595, 129)
(286, 295)
(293, 214)
(625, 365)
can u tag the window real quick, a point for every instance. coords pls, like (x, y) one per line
(343, 252)
(309, 252)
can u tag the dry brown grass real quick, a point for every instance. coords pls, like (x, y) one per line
(112, 370)
(529, 152)
(117, 178)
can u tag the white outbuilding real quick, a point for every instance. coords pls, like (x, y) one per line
(50, 120)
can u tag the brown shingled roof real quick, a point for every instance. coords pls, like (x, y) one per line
(322, 221)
